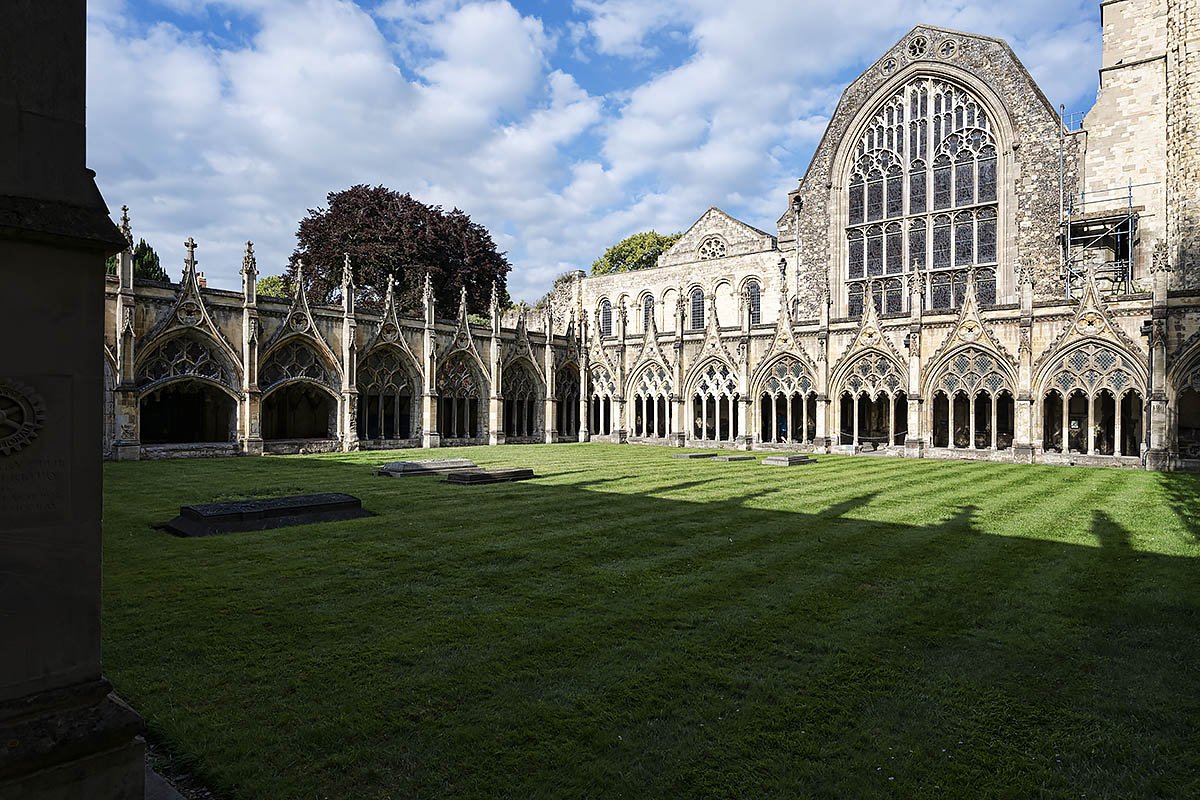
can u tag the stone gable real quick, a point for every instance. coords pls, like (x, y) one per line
(736, 237)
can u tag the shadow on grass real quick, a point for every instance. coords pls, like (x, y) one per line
(538, 639)
(1183, 490)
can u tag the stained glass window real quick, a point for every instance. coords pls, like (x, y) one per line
(755, 296)
(697, 309)
(929, 147)
(605, 318)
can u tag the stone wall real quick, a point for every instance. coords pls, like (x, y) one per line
(1183, 132)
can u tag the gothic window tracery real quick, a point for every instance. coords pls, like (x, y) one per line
(387, 396)
(183, 356)
(711, 247)
(926, 166)
(714, 404)
(522, 393)
(294, 360)
(459, 393)
(652, 402)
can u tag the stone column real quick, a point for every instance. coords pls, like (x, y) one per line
(349, 421)
(495, 412)
(63, 734)
(917, 438)
(127, 427)
(1158, 454)
(585, 390)
(549, 417)
(1023, 445)
(252, 441)
(429, 398)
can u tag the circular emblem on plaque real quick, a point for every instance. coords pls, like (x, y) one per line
(22, 414)
(917, 46)
(1090, 323)
(888, 68)
(969, 331)
(388, 332)
(189, 313)
(298, 323)
(948, 48)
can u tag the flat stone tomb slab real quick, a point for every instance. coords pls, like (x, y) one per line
(788, 461)
(694, 455)
(431, 466)
(262, 514)
(735, 458)
(482, 476)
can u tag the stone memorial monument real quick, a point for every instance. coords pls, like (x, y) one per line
(62, 733)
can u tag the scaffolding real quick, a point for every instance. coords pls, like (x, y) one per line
(1098, 228)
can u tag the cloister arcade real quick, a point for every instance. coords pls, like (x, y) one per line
(652, 407)
(714, 403)
(461, 393)
(523, 406)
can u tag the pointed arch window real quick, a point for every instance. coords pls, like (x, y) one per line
(647, 312)
(606, 328)
(923, 192)
(754, 295)
(697, 309)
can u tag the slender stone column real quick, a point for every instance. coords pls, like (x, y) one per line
(429, 398)
(856, 398)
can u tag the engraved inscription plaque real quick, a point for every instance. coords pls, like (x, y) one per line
(35, 467)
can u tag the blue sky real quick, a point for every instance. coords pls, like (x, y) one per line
(562, 126)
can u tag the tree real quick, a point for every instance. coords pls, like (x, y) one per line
(638, 251)
(387, 233)
(146, 265)
(273, 286)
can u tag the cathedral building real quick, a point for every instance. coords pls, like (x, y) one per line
(963, 272)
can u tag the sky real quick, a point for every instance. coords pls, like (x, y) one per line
(562, 126)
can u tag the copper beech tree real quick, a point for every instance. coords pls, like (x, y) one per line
(387, 233)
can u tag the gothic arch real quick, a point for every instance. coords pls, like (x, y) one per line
(971, 367)
(1091, 365)
(185, 354)
(297, 359)
(871, 369)
(788, 370)
(925, 161)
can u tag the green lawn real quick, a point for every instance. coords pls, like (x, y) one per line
(629, 625)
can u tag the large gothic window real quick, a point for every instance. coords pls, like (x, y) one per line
(923, 199)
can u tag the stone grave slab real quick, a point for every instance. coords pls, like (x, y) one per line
(735, 458)
(475, 477)
(431, 466)
(694, 455)
(788, 460)
(205, 519)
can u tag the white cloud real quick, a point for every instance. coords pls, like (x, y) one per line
(476, 105)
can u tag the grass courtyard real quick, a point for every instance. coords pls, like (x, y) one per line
(631, 625)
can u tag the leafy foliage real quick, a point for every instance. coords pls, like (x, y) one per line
(387, 233)
(638, 251)
(273, 286)
(146, 264)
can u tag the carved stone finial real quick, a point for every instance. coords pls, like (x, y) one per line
(428, 291)
(126, 229)
(249, 263)
(347, 271)
(299, 277)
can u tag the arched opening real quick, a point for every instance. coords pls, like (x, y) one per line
(900, 419)
(187, 412)
(1129, 421)
(961, 420)
(387, 396)
(1188, 436)
(651, 411)
(1052, 422)
(846, 417)
(299, 411)
(1077, 422)
(459, 393)
(984, 423)
(941, 420)
(1104, 424)
(566, 388)
(606, 326)
(1005, 425)
(715, 405)
(522, 399)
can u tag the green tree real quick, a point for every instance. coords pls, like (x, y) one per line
(146, 265)
(639, 251)
(273, 286)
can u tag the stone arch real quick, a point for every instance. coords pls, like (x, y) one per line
(389, 384)
(602, 394)
(187, 353)
(869, 400)
(985, 128)
(1091, 379)
(972, 390)
(462, 396)
(568, 389)
(714, 393)
(1183, 403)
(650, 394)
(523, 390)
(297, 359)
(785, 391)
(300, 408)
